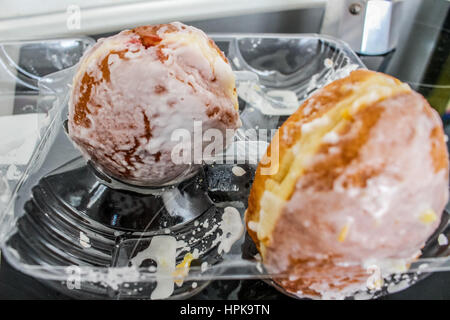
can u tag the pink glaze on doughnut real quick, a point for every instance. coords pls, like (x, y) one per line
(134, 89)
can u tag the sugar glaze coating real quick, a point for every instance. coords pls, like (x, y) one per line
(134, 89)
(368, 190)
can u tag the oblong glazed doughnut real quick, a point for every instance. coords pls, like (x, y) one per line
(360, 180)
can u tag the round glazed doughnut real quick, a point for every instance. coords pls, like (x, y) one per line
(134, 89)
(359, 182)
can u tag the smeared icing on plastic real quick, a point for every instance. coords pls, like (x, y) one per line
(162, 250)
(232, 229)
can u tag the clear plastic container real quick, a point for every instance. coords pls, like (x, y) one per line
(89, 235)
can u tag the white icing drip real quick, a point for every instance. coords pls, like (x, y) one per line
(162, 250)
(182, 246)
(375, 281)
(252, 225)
(85, 242)
(238, 171)
(328, 63)
(328, 293)
(395, 287)
(387, 266)
(318, 122)
(195, 253)
(442, 240)
(232, 229)
(13, 173)
(331, 137)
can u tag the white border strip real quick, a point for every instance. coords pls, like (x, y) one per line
(126, 15)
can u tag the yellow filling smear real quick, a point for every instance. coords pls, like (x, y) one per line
(182, 269)
(278, 187)
(428, 216)
(343, 234)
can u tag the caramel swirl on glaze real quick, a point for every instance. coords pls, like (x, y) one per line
(87, 84)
